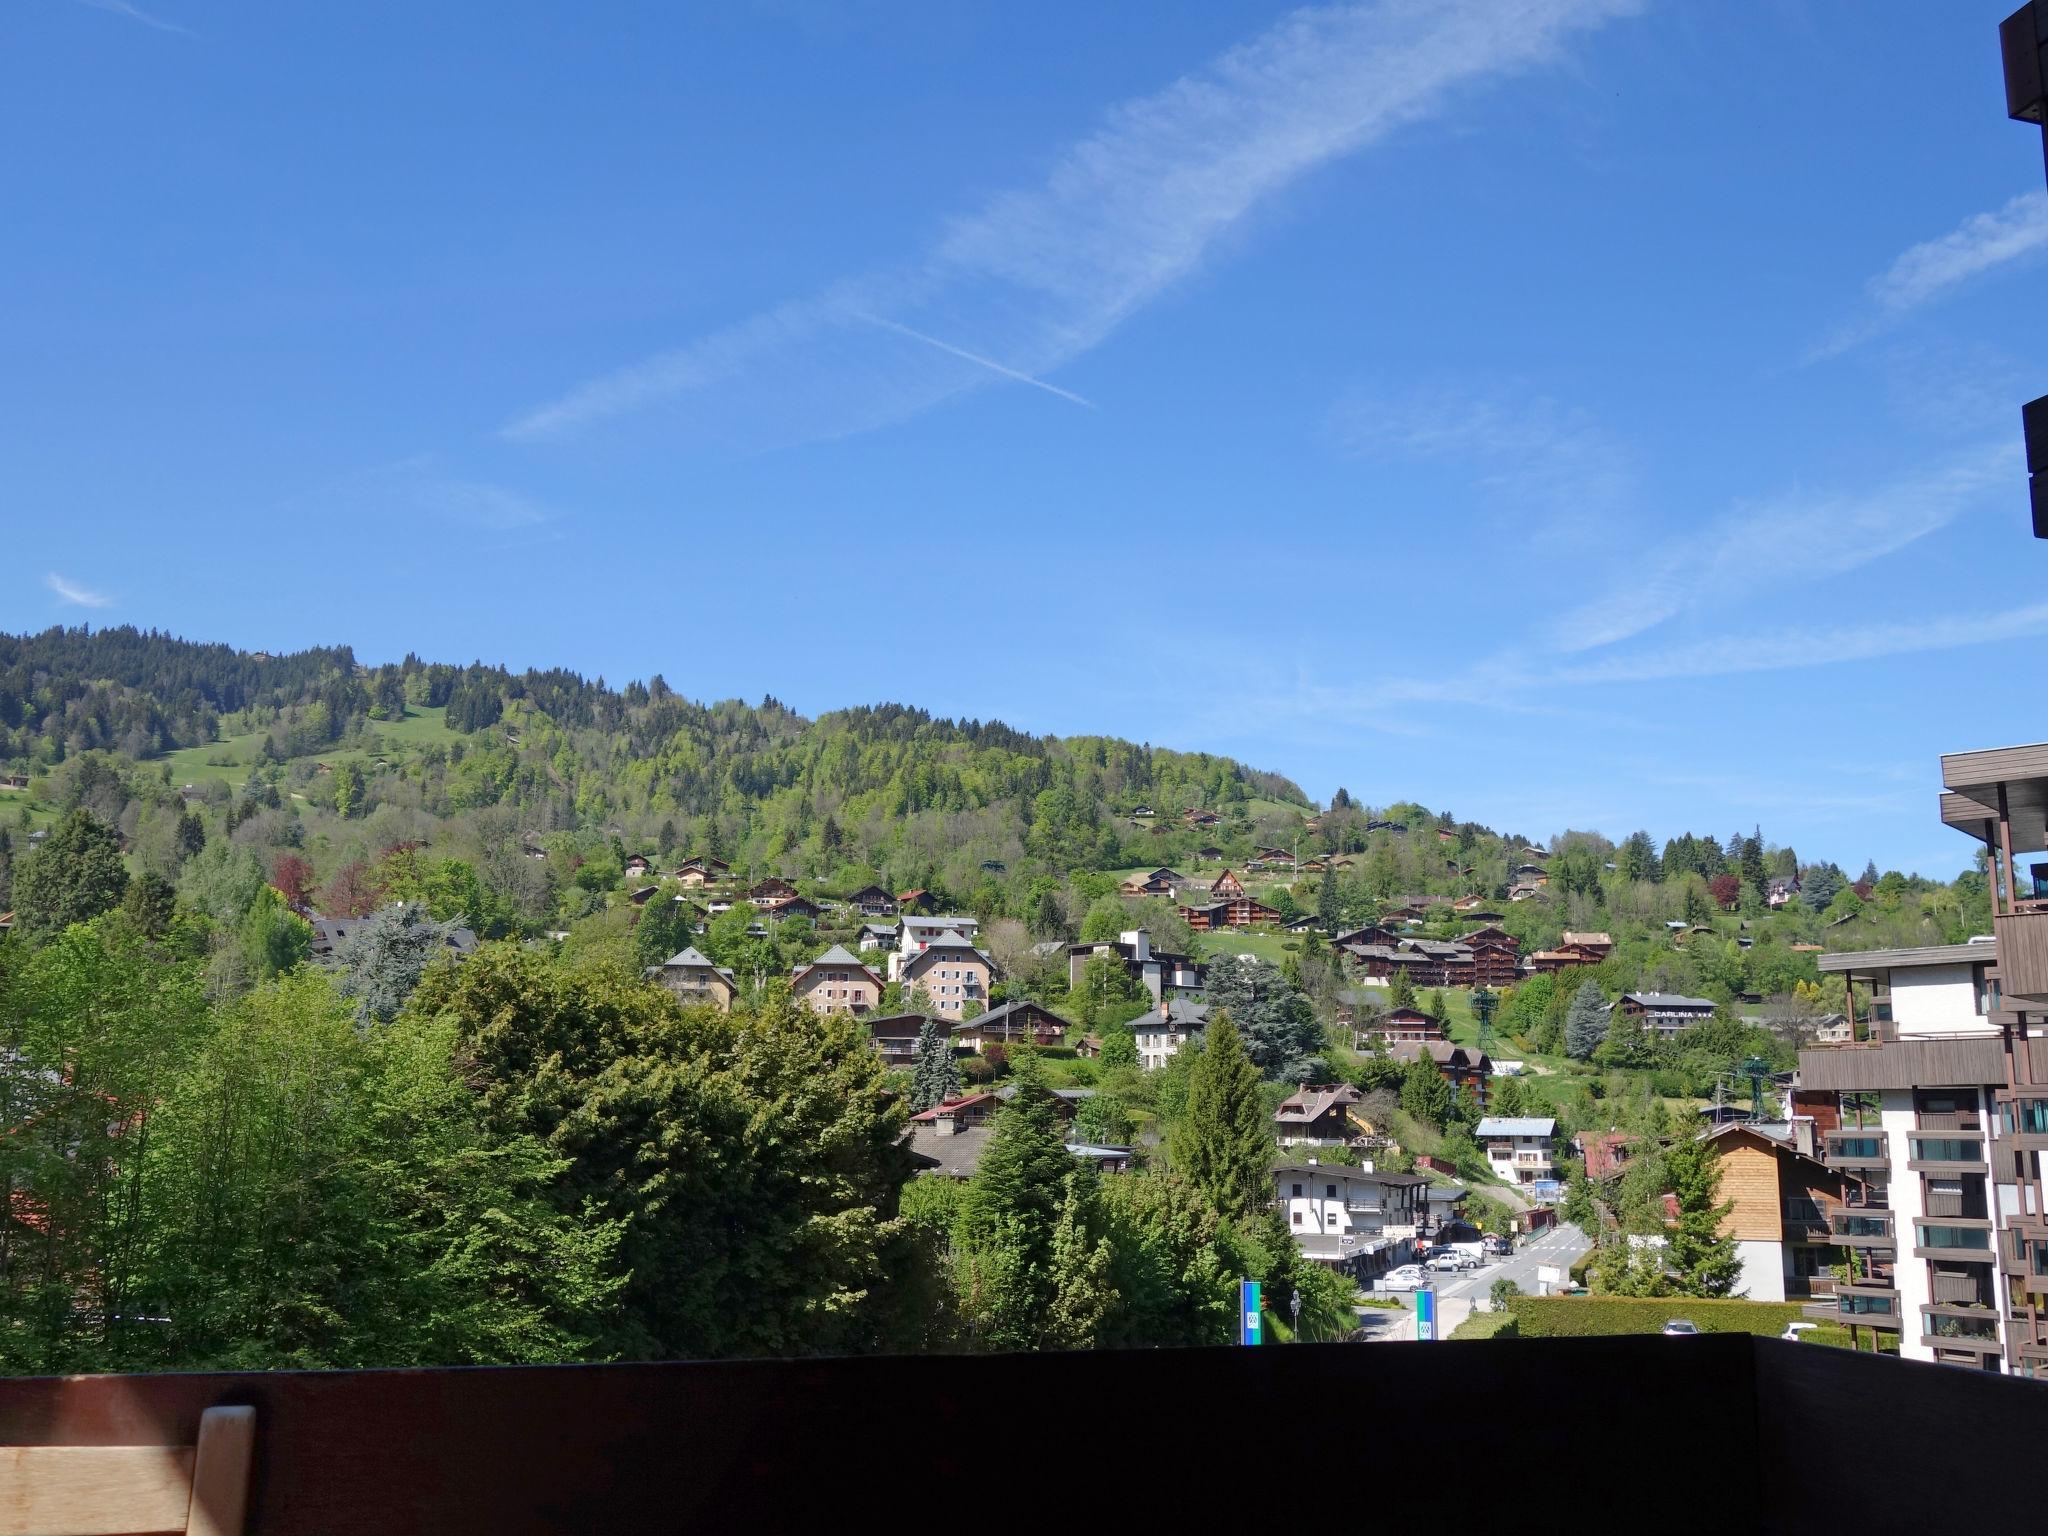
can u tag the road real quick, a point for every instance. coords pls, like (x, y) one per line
(1456, 1294)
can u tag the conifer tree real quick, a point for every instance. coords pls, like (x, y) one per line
(1425, 1094)
(934, 1075)
(1702, 1257)
(1223, 1144)
(1329, 909)
(1439, 1005)
(1401, 990)
(1586, 1025)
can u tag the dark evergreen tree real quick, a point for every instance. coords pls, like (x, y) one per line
(1276, 1022)
(934, 1073)
(1585, 1026)
(1702, 1258)
(75, 876)
(1223, 1144)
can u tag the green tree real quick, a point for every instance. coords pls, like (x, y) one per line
(1169, 1265)
(1586, 1025)
(1021, 1231)
(1702, 1257)
(934, 1074)
(385, 957)
(752, 1158)
(1223, 1144)
(1507, 1098)
(1275, 1021)
(1401, 989)
(75, 876)
(1424, 1093)
(349, 790)
(1119, 1048)
(1329, 904)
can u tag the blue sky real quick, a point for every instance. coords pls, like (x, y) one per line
(1570, 413)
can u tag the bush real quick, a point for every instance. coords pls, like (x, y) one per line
(1486, 1325)
(1577, 1317)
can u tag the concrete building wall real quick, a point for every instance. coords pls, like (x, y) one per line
(1763, 1269)
(1935, 1000)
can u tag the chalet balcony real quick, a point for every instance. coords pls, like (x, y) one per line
(1951, 1287)
(2023, 953)
(1958, 1328)
(1966, 1202)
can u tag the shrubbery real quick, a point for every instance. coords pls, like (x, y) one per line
(1575, 1317)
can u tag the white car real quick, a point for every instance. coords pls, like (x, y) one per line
(1407, 1278)
(1794, 1332)
(1443, 1262)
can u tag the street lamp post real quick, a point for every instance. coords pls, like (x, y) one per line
(1294, 1306)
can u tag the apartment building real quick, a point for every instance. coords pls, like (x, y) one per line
(1942, 1101)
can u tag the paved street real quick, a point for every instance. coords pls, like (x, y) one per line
(1457, 1294)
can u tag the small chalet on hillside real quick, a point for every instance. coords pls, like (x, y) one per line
(920, 900)
(772, 892)
(1158, 882)
(895, 1036)
(1397, 1026)
(1019, 1022)
(1226, 886)
(702, 871)
(1661, 1013)
(1318, 1115)
(872, 901)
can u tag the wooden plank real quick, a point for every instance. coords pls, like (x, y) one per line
(94, 1490)
(220, 1473)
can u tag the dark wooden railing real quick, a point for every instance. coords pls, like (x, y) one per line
(769, 1446)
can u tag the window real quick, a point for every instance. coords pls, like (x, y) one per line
(1297, 1214)
(1329, 1191)
(1297, 1191)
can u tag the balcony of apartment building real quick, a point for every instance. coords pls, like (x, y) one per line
(1954, 1241)
(2023, 1120)
(2000, 798)
(1857, 1150)
(1955, 1156)
(1851, 1226)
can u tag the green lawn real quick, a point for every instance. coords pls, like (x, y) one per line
(1263, 942)
(190, 765)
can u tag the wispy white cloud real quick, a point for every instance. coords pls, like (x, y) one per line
(1518, 445)
(1751, 651)
(1796, 537)
(1034, 278)
(475, 504)
(134, 13)
(73, 592)
(1925, 272)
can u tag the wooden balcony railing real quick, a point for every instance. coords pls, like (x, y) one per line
(2023, 955)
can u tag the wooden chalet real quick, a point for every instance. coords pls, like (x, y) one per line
(1242, 912)
(1159, 882)
(1597, 943)
(895, 1036)
(771, 892)
(1020, 1022)
(872, 901)
(702, 871)
(1226, 886)
(795, 906)
(1318, 1114)
(917, 902)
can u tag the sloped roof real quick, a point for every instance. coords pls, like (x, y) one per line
(689, 956)
(1526, 1125)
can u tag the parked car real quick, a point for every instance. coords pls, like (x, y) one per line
(1498, 1245)
(1680, 1326)
(1470, 1261)
(1446, 1261)
(1407, 1278)
(1794, 1332)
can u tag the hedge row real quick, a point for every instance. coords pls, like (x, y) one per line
(1568, 1317)
(1485, 1325)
